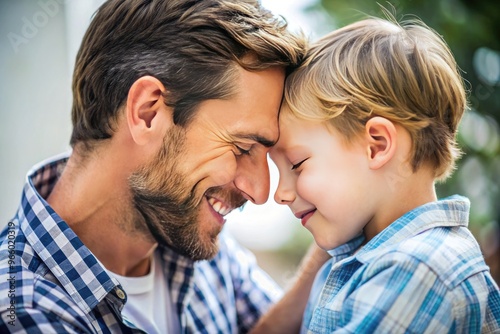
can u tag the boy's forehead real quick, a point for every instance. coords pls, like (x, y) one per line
(285, 118)
(287, 127)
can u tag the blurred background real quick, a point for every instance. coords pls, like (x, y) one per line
(38, 44)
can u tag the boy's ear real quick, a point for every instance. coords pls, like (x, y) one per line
(382, 141)
(147, 115)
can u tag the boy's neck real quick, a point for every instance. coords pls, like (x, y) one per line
(401, 197)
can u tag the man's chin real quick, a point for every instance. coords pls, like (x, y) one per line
(194, 250)
(206, 250)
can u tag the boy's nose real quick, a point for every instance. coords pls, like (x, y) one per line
(284, 195)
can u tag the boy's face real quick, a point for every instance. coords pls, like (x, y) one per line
(323, 181)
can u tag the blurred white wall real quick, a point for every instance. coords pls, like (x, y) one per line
(39, 40)
(38, 45)
(34, 93)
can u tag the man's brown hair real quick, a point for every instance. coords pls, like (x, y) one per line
(191, 46)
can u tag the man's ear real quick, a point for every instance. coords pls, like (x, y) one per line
(146, 113)
(381, 135)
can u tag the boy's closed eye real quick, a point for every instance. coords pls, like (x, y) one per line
(297, 165)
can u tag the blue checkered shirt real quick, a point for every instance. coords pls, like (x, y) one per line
(51, 283)
(423, 274)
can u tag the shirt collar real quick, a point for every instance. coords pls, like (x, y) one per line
(452, 211)
(448, 212)
(69, 260)
(346, 249)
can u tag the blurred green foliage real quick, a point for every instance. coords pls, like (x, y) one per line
(471, 29)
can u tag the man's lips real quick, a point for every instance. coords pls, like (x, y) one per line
(222, 201)
(305, 215)
(219, 206)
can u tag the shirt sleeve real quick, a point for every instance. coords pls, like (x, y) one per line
(254, 290)
(395, 294)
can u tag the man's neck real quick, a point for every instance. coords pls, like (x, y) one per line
(93, 198)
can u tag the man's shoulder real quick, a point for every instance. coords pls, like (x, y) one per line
(31, 290)
(16, 280)
(29, 299)
(25, 281)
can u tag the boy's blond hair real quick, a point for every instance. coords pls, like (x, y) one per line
(403, 72)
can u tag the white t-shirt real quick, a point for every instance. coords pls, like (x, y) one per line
(149, 306)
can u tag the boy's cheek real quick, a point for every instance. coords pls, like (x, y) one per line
(306, 186)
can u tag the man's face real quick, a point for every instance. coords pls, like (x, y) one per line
(210, 167)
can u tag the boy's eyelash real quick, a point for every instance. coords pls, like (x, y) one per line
(297, 165)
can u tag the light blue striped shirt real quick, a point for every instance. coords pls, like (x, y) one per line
(422, 274)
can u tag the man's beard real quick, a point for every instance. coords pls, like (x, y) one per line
(167, 209)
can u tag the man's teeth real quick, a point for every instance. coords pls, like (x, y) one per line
(218, 206)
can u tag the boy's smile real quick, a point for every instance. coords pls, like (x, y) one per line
(305, 215)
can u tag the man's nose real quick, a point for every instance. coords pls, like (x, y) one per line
(252, 179)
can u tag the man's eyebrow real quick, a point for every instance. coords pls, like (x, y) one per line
(257, 138)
